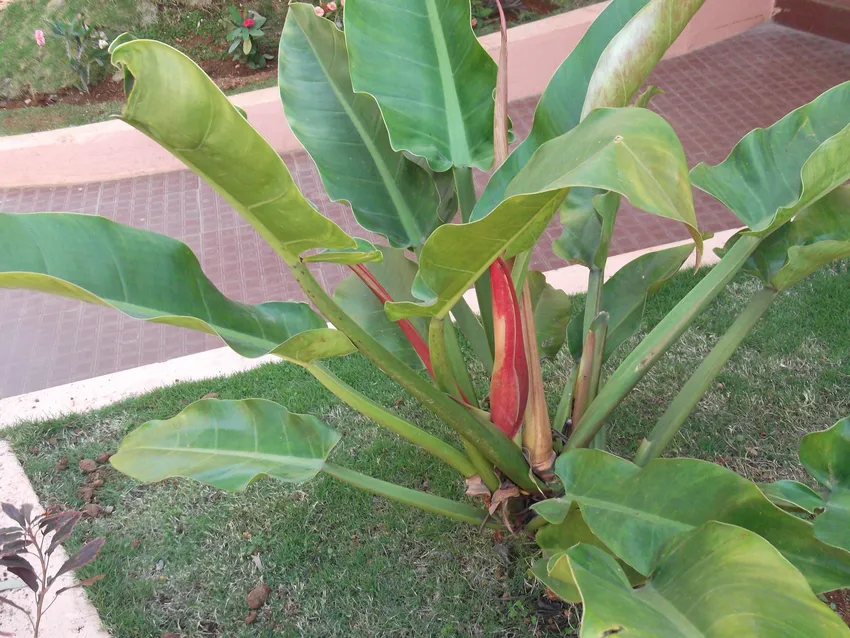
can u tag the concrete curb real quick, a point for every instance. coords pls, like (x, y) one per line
(114, 150)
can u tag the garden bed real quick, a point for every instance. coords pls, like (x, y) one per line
(33, 81)
(181, 557)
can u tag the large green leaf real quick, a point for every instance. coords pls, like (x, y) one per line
(826, 456)
(345, 134)
(718, 581)
(793, 496)
(624, 296)
(615, 65)
(773, 173)
(554, 570)
(432, 78)
(395, 273)
(228, 444)
(552, 310)
(174, 102)
(636, 511)
(816, 236)
(633, 152)
(152, 277)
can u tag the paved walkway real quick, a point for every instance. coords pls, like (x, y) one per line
(713, 97)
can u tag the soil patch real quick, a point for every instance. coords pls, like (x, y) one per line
(840, 602)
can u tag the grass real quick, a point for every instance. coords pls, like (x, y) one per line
(342, 563)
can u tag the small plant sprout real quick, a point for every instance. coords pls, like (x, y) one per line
(39, 536)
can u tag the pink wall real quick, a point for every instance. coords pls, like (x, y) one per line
(113, 150)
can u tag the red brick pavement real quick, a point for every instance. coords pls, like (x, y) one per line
(713, 97)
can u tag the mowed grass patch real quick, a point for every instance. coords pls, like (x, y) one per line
(181, 557)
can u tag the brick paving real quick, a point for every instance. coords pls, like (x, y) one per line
(713, 97)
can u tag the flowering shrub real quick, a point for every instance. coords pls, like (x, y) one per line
(247, 30)
(330, 10)
(84, 45)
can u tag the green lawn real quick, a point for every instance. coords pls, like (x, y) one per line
(343, 563)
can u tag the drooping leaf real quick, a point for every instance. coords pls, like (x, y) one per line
(147, 276)
(826, 456)
(87, 554)
(345, 135)
(624, 60)
(228, 444)
(630, 151)
(203, 129)
(555, 540)
(793, 496)
(671, 496)
(395, 273)
(815, 237)
(364, 252)
(14, 513)
(624, 296)
(63, 531)
(716, 581)
(432, 78)
(773, 173)
(19, 566)
(581, 240)
(552, 310)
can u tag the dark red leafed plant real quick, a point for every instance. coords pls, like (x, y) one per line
(40, 536)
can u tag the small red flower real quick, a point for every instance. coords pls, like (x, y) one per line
(248, 23)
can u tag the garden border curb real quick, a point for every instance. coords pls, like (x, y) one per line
(114, 150)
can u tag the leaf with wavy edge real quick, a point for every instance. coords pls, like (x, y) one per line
(671, 496)
(793, 496)
(173, 102)
(633, 152)
(815, 237)
(826, 456)
(152, 277)
(345, 135)
(555, 540)
(717, 581)
(773, 173)
(609, 64)
(228, 444)
(431, 77)
(624, 296)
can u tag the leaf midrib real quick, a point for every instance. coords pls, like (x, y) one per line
(459, 145)
(406, 216)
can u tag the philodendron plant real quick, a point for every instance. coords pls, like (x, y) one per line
(396, 112)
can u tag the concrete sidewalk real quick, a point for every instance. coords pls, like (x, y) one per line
(713, 97)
